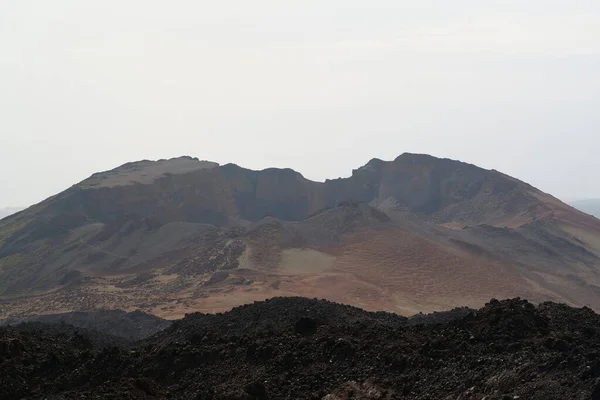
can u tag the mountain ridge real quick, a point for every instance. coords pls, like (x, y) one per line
(232, 171)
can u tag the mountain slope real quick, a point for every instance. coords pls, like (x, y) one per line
(5, 212)
(591, 206)
(417, 233)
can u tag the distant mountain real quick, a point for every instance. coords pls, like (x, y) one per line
(5, 212)
(414, 234)
(591, 206)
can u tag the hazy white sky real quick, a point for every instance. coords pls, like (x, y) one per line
(318, 86)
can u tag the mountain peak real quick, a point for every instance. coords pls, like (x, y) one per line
(417, 156)
(146, 171)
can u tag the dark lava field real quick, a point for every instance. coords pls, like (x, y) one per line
(296, 348)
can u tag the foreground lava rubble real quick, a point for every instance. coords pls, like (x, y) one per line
(296, 348)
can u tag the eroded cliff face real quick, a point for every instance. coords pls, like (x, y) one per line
(444, 190)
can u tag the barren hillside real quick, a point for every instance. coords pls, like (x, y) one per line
(414, 234)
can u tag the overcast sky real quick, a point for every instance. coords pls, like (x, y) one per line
(319, 86)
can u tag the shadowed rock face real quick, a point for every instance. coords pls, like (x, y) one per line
(132, 326)
(425, 185)
(178, 222)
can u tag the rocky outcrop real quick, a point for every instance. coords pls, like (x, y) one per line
(296, 348)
